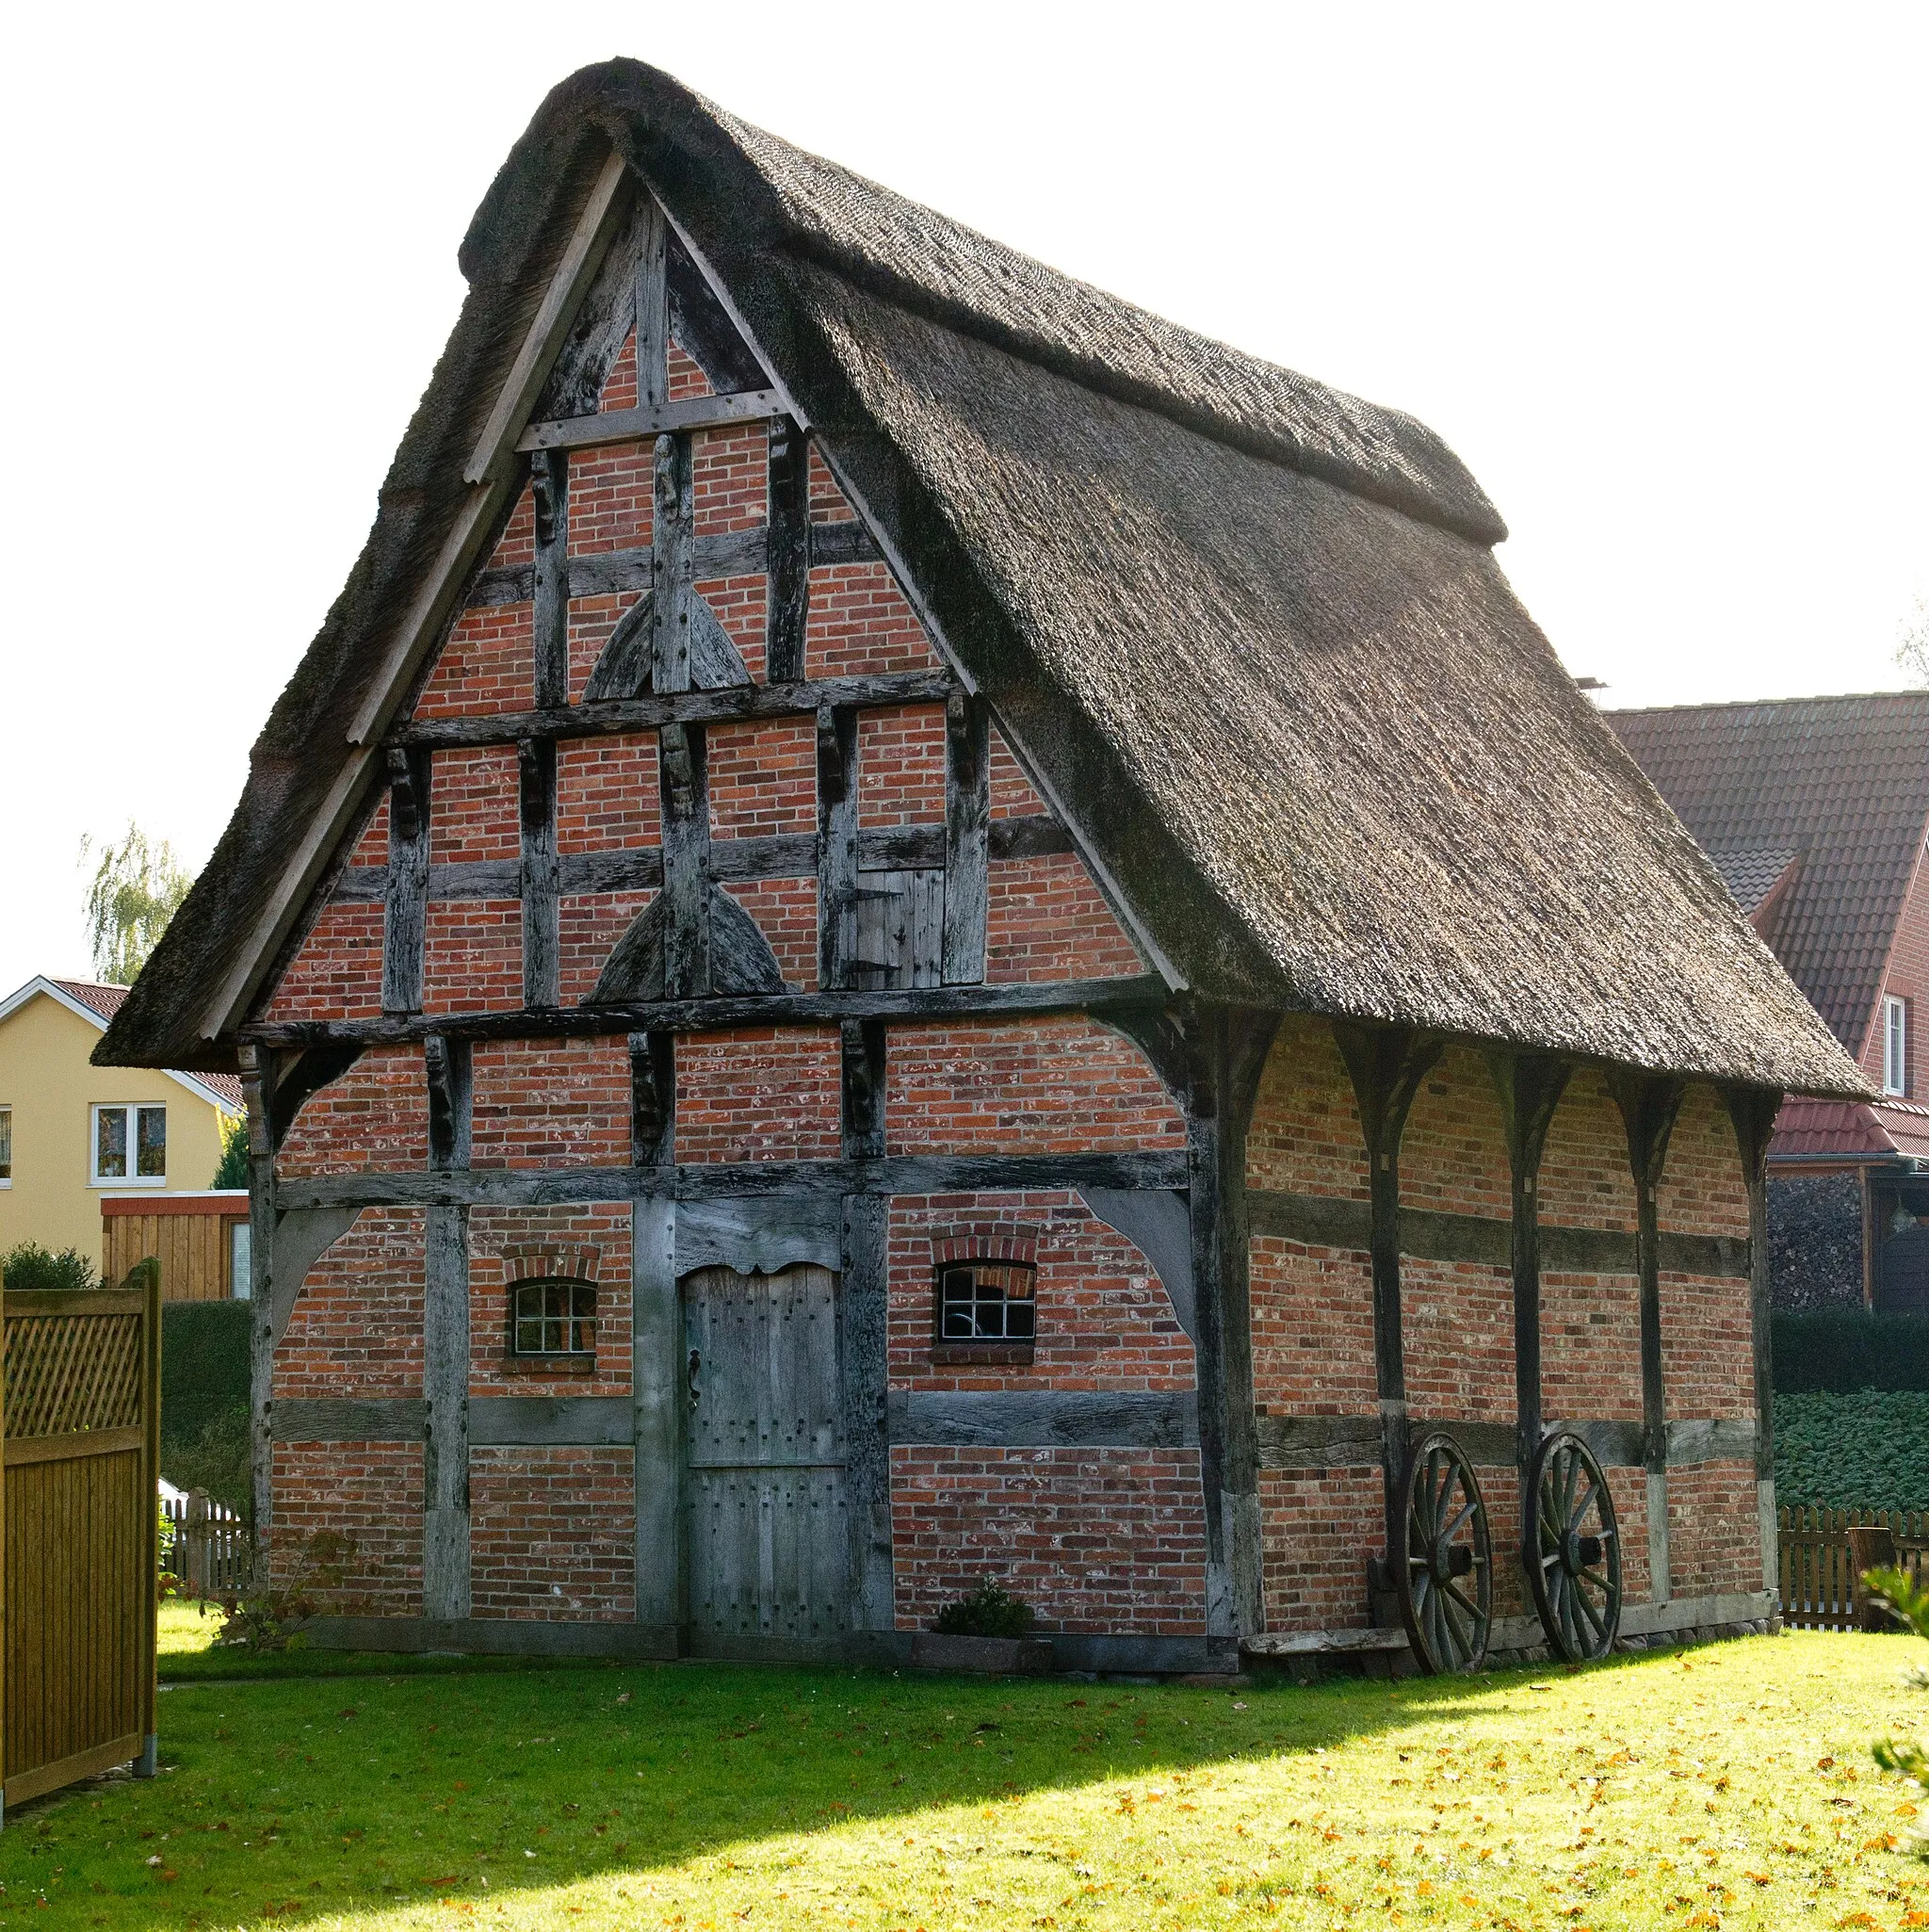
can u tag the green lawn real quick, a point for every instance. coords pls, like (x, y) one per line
(1727, 1786)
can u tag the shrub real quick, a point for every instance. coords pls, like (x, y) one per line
(219, 1460)
(1865, 1451)
(990, 1611)
(31, 1267)
(1847, 1349)
(232, 1171)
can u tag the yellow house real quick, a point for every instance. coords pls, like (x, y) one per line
(74, 1136)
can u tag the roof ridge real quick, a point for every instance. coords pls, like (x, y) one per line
(1918, 692)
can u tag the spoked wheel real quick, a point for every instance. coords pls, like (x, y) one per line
(1573, 1550)
(1444, 1578)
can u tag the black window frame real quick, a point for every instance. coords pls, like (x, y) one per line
(576, 1315)
(948, 1308)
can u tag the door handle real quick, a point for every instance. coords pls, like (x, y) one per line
(696, 1367)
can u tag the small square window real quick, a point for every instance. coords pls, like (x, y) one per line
(130, 1145)
(986, 1301)
(553, 1318)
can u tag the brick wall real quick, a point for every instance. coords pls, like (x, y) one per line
(587, 926)
(1104, 1320)
(474, 812)
(374, 1116)
(1305, 1136)
(487, 665)
(336, 973)
(356, 1326)
(1041, 1086)
(607, 794)
(1714, 1537)
(348, 1526)
(1317, 1530)
(1584, 1178)
(859, 621)
(1047, 919)
(763, 778)
(764, 1094)
(552, 1533)
(901, 766)
(551, 1103)
(1108, 1541)
(472, 955)
(508, 1244)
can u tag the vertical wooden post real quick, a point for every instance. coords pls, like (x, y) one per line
(406, 907)
(652, 305)
(1753, 1109)
(258, 1089)
(1225, 1053)
(542, 956)
(863, 1314)
(836, 843)
(549, 493)
(1648, 1105)
(657, 1399)
(1388, 1065)
(1529, 1087)
(686, 797)
(148, 1764)
(653, 1098)
(788, 609)
(672, 539)
(446, 1586)
(968, 825)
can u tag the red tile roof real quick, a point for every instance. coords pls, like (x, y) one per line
(106, 1000)
(1836, 786)
(1850, 1130)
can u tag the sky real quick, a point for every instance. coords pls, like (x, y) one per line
(1657, 273)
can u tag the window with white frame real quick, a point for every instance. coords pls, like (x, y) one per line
(6, 1147)
(130, 1147)
(1895, 1044)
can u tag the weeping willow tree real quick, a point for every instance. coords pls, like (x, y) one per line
(137, 886)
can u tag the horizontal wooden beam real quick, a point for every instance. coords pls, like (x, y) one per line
(613, 716)
(1322, 1221)
(899, 1174)
(1043, 1419)
(1339, 1442)
(714, 555)
(640, 869)
(71, 1446)
(667, 418)
(726, 1013)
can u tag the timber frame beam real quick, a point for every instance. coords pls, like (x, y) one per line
(1388, 1065)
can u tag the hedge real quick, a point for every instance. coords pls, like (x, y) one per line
(1869, 1450)
(203, 1366)
(1842, 1350)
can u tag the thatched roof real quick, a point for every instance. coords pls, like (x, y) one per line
(1247, 629)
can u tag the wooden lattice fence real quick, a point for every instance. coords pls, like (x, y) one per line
(1824, 1552)
(79, 1531)
(208, 1548)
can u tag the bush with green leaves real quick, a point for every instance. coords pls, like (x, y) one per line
(1865, 1451)
(232, 1171)
(990, 1611)
(1843, 1350)
(30, 1267)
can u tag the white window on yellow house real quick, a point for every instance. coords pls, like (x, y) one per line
(130, 1147)
(6, 1147)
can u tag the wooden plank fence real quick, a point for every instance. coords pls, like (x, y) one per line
(204, 1543)
(80, 1419)
(1823, 1554)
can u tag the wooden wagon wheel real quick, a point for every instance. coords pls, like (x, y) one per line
(1445, 1575)
(1572, 1548)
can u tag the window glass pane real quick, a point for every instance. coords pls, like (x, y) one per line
(985, 1301)
(153, 1150)
(111, 1142)
(6, 1143)
(240, 1259)
(554, 1318)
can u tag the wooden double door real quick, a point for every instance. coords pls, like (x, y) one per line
(767, 1532)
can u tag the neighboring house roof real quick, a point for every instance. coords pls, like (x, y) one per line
(1837, 787)
(1245, 631)
(98, 1004)
(1855, 1130)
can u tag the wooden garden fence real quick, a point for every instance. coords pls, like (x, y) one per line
(1823, 1554)
(207, 1543)
(79, 1532)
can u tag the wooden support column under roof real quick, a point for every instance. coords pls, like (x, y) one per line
(1649, 1105)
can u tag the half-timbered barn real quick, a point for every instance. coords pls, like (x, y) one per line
(912, 928)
